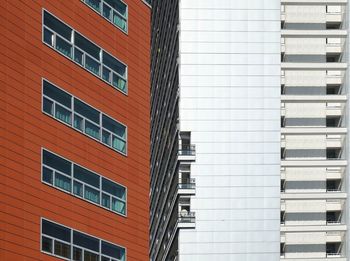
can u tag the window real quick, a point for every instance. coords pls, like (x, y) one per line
(83, 183)
(82, 51)
(115, 11)
(58, 240)
(84, 118)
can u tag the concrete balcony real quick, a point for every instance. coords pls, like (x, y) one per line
(187, 186)
(334, 230)
(335, 33)
(332, 141)
(313, 66)
(187, 153)
(333, 77)
(314, 2)
(314, 163)
(332, 108)
(334, 205)
(314, 195)
(313, 130)
(311, 98)
(328, 258)
(186, 220)
(335, 173)
(333, 45)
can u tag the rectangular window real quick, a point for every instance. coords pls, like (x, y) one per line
(58, 240)
(84, 118)
(115, 11)
(82, 51)
(83, 183)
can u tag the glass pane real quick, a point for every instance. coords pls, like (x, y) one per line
(48, 106)
(86, 176)
(113, 188)
(114, 64)
(88, 256)
(107, 12)
(63, 114)
(105, 259)
(57, 26)
(118, 144)
(62, 249)
(46, 244)
(78, 188)
(57, 162)
(78, 56)
(62, 182)
(78, 122)
(47, 175)
(86, 111)
(86, 241)
(92, 195)
(48, 37)
(92, 130)
(113, 126)
(87, 46)
(77, 254)
(118, 206)
(119, 82)
(118, 5)
(113, 250)
(106, 74)
(55, 230)
(119, 21)
(57, 94)
(106, 201)
(106, 137)
(95, 4)
(92, 65)
(63, 47)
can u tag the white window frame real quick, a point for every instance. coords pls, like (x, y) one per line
(100, 62)
(84, 118)
(100, 190)
(101, 7)
(71, 243)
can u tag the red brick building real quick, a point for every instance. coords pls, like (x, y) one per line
(75, 130)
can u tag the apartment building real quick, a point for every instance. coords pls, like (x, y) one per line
(215, 130)
(75, 130)
(314, 121)
(250, 94)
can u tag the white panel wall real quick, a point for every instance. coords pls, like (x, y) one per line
(230, 101)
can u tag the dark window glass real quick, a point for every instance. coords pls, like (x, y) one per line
(87, 46)
(107, 12)
(78, 56)
(48, 37)
(63, 114)
(92, 194)
(117, 5)
(88, 256)
(47, 175)
(112, 250)
(86, 241)
(86, 111)
(113, 126)
(57, 94)
(62, 249)
(77, 254)
(106, 201)
(56, 162)
(92, 130)
(114, 64)
(57, 26)
(62, 182)
(46, 244)
(63, 47)
(86, 176)
(113, 188)
(56, 231)
(78, 188)
(92, 65)
(95, 4)
(48, 106)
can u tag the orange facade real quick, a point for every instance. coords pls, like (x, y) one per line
(25, 60)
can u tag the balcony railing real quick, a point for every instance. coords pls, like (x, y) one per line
(187, 183)
(189, 217)
(187, 150)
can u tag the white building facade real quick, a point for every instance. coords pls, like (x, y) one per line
(261, 130)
